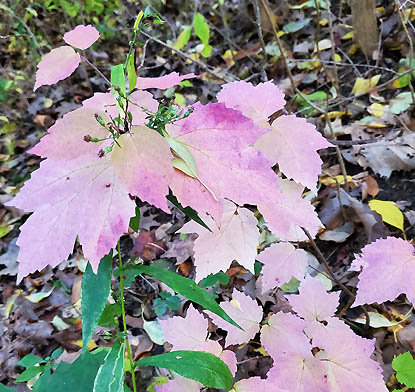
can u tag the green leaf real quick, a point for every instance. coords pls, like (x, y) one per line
(95, 289)
(201, 28)
(131, 72)
(188, 211)
(30, 373)
(207, 51)
(186, 287)
(211, 279)
(404, 365)
(185, 160)
(76, 376)
(107, 318)
(183, 38)
(110, 376)
(135, 221)
(203, 367)
(118, 83)
(30, 360)
(293, 27)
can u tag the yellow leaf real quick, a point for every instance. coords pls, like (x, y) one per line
(348, 35)
(410, 13)
(335, 115)
(328, 181)
(376, 109)
(353, 49)
(337, 57)
(323, 21)
(262, 351)
(362, 86)
(48, 103)
(389, 212)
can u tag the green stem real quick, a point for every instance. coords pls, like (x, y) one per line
(124, 322)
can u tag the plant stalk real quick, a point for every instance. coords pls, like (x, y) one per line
(124, 322)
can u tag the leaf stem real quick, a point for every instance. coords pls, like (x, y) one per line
(124, 322)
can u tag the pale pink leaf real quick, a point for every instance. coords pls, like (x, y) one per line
(163, 82)
(71, 198)
(57, 65)
(179, 384)
(347, 357)
(138, 101)
(65, 139)
(388, 271)
(185, 333)
(293, 144)
(293, 372)
(219, 140)
(236, 238)
(82, 37)
(313, 302)
(142, 162)
(256, 102)
(253, 384)
(281, 263)
(284, 333)
(245, 312)
(287, 212)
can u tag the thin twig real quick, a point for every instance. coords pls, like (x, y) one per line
(84, 59)
(261, 40)
(186, 56)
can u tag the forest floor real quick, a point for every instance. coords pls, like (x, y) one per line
(367, 96)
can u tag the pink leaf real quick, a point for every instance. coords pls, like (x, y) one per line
(57, 65)
(347, 357)
(282, 262)
(284, 333)
(293, 144)
(389, 272)
(314, 303)
(253, 384)
(82, 37)
(292, 372)
(246, 312)
(219, 140)
(286, 212)
(137, 101)
(177, 332)
(236, 238)
(77, 198)
(179, 384)
(256, 102)
(163, 82)
(143, 165)
(65, 139)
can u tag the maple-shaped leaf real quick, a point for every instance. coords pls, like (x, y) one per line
(56, 65)
(185, 333)
(281, 263)
(65, 139)
(137, 101)
(314, 303)
(388, 271)
(163, 82)
(293, 372)
(284, 333)
(256, 102)
(82, 37)
(235, 238)
(293, 144)
(142, 162)
(71, 198)
(243, 310)
(286, 212)
(347, 357)
(220, 139)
